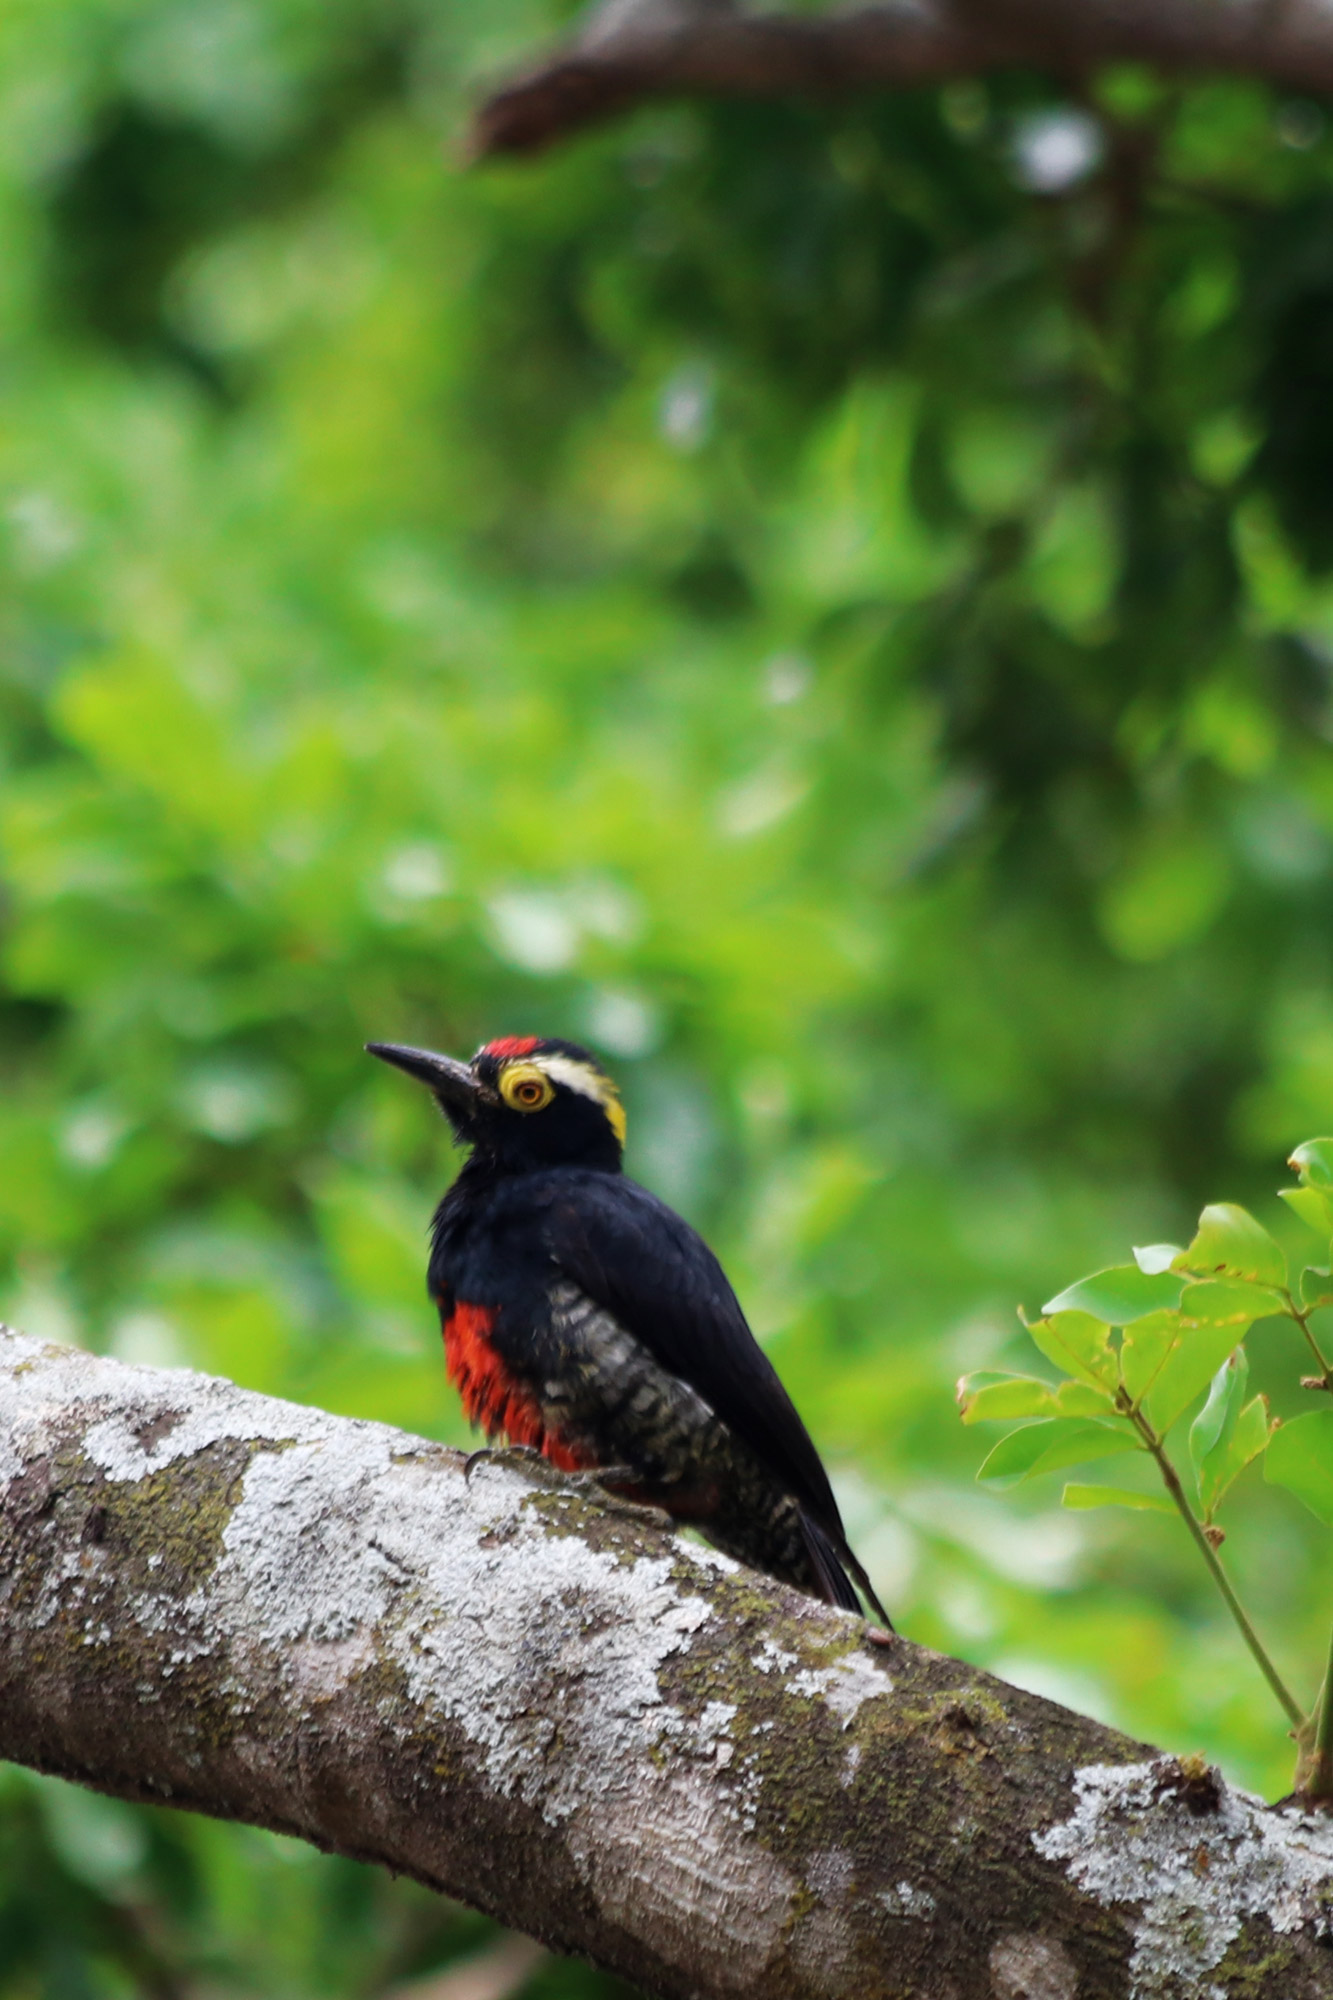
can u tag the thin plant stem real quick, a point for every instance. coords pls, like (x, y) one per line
(1321, 1773)
(1291, 1707)
(1302, 1320)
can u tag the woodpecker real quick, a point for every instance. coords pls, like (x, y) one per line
(585, 1319)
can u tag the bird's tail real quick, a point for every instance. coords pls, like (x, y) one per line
(831, 1559)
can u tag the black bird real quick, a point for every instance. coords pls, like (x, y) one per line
(584, 1318)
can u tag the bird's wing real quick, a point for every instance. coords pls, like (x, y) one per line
(642, 1263)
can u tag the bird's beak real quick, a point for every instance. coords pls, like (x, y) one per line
(452, 1081)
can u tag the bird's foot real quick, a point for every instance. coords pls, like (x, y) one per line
(602, 1475)
(523, 1457)
(875, 1635)
(600, 1483)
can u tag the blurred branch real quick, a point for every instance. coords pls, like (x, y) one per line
(630, 50)
(558, 1712)
(499, 1973)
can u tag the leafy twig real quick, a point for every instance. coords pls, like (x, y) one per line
(1302, 1320)
(1171, 1479)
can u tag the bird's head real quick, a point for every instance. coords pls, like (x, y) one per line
(523, 1102)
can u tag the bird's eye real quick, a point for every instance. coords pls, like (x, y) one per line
(524, 1087)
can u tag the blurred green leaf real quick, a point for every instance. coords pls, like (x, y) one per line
(1230, 1243)
(1300, 1457)
(1082, 1498)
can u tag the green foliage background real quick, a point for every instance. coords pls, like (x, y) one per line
(769, 591)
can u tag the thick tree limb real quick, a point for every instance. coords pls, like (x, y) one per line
(631, 50)
(563, 1714)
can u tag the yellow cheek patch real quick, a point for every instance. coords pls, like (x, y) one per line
(615, 1114)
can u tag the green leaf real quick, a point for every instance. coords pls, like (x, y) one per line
(984, 1399)
(1156, 1257)
(1078, 1344)
(1313, 1207)
(1056, 1441)
(1229, 1243)
(1186, 1372)
(1300, 1457)
(1313, 1161)
(1253, 1429)
(1084, 1497)
(1229, 1302)
(1144, 1351)
(1227, 1433)
(1119, 1295)
(1316, 1287)
(1217, 1419)
(1081, 1399)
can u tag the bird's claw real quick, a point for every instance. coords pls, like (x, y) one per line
(493, 1452)
(598, 1482)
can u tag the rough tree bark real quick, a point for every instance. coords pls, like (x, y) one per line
(630, 50)
(610, 1738)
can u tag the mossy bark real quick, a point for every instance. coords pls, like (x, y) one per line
(613, 1740)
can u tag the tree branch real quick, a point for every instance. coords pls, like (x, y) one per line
(559, 1712)
(630, 50)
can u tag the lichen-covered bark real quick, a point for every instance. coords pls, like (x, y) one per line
(626, 51)
(563, 1714)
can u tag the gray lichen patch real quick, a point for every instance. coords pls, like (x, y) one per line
(1026, 1966)
(1197, 1879)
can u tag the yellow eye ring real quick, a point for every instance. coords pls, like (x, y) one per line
(525, 1087)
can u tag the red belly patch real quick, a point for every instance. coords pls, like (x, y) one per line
(491, 1397)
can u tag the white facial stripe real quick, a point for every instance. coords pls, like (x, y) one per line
(577, 1076)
